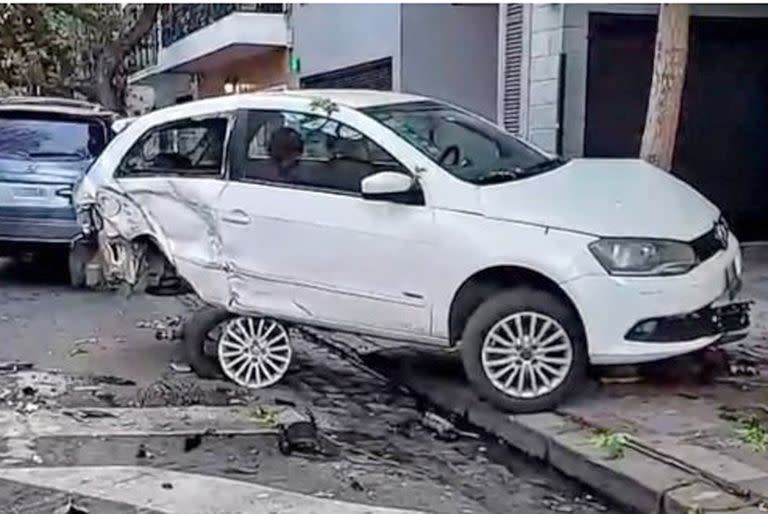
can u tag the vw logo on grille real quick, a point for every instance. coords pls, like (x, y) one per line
(721, 232)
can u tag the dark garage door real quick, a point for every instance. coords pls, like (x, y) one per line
(369, 75)
(724, 120)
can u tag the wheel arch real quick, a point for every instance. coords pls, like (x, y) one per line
(485, 282)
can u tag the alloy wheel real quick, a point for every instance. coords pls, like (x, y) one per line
(527, 355)
(254, 352)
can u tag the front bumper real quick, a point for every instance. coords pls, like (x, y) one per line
(611, 307)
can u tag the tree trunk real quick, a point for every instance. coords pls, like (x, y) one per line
(669, 62)
(110, 82)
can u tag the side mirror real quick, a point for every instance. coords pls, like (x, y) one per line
(385, 184)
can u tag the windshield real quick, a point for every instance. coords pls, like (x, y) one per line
(465, 145)
(35, 138)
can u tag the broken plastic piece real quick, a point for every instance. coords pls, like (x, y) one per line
(298, 436)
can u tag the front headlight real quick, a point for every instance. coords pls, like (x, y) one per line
(643, 256)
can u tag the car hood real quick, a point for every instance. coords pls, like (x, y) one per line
(604, 197)
(64, 171)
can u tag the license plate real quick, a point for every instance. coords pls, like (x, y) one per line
(732, 281)
(29, 192)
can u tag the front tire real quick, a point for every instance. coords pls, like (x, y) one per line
(524, 350)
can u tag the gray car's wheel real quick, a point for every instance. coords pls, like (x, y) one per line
(524, 350)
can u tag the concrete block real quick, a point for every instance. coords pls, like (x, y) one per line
(635, 480)
(546, 42)
(543, 116)
(545, 139)
(758, 486)
(543, 92)
(700, 497)
(545, 68)
(545, 17)
(712, 462)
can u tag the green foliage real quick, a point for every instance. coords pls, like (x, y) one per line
(613, 442)
(754, 434)
(325, 105)
(53, 48)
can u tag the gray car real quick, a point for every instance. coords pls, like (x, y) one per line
(46, 145)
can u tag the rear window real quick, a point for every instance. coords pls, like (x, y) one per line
(30, 137)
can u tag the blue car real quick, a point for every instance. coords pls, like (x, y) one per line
(46, 145)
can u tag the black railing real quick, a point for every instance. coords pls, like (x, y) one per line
(144, 54)
(180, 20)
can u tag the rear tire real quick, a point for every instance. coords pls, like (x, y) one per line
(547, 348)
(194, 337)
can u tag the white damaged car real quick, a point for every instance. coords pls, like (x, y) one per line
(408, 219)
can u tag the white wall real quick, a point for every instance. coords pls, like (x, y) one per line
(450, 52)
(544, 24)
(331, 36)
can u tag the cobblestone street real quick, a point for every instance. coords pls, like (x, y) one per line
(378, 451)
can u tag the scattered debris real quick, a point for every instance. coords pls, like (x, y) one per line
(356, 485)
(166, 485)
(112, 380)
(83, 414)
(28, 408)
(265, 416)
(144, 453)
(77, 350)
(444, 430)
(180, 367)
(164, 393)
(14, 366)
(88, 340)
(192, 442)
(29, 391)
(284, 402)
(299, 436)
(37, 459)
(86, 388)
(71, 508)
(242, 470)
(743, 369)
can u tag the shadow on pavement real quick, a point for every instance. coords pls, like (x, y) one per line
(49, 270)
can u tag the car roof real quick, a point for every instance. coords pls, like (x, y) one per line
(54, 105)
(355, 98)
(352, 98)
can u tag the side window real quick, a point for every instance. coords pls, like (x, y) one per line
(313, 151)
(187, 147)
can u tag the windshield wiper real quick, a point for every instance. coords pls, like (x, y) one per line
(545, 165)
(497, 176)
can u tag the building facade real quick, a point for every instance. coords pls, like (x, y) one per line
(447, 51)
(201, 50)
(575, 79)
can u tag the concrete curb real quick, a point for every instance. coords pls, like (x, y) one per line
(640, 481)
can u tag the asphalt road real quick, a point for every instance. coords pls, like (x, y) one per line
(382, 455)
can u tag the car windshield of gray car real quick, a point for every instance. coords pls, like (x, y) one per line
(38, 138)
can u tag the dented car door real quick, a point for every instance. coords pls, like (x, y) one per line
(174, 174)
(299, 238)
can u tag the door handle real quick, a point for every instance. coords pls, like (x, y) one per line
(237, 216)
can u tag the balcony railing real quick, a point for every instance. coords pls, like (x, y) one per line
(180, 20)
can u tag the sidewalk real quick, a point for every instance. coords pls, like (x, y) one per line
(683, 451)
